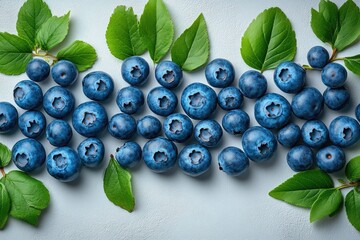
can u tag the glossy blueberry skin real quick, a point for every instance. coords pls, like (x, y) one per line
(330, 159)
(334, 75)
(344, 131)
(178, 127)
(58, 102)
(314, 133)
(162, 101)
(128, 155)
(64, 164)
(289, 77)
(91, 152)
(357, 112)
(289, 135)
(98, 85)
(32, 124)
(168, 74)
(236, 122)
(208, 133)
(130, 100)
(64, 73)
(8, 117)
(220, 73)
(318, 57)
(198, 101)
(59, 133)
(38, 70)
(259, 144)
(149, 127)
(194, 160)
(28, 154)
(122, 126)
(135, 70)
(252, 84)
(159, 154)
(336, 98)
(300, 158)
(28, 95)
(233, 161)
(308, 104)
(89, 119)
(230, 98)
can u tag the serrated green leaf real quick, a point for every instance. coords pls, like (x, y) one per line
(328, 202)
(82, 54)
(117, 186)
(5, 205)
(5, 155)
(352, 206)
(156, 29)
(268, 41)
(353, 64)
(352, 169)
(122, 34)
(30, 18)
(303, 188)
(191, 49)
(53, 32)
(15, 54)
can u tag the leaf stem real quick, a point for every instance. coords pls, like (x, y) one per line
(333, 55)
(39, 53)
(338, 59)
(307, 67)
(347, 185)
(2, 172)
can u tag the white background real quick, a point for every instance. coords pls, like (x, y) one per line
(173, 205)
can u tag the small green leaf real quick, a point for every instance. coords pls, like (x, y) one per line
(5, 205)
(303, 188)
(15, 54)
(352, 205)
(268, 41)
(191, 49)
(53, 32)
(117, 186)
(30, 18)
(353, 64)
(5, 155)
(328, 202)
(122, 34)
(82, 54)
(156, 29)
(352, 169)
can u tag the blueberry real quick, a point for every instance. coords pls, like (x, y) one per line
(58, 102)
(330, 159)
(89, 119)
(252, 84)
(28, 95)
(28, 154)
(336, 98)
(194, 160)
(159, 154)
(91, 152)
(32, 124)
(308, 104)
(318, 57)
(64, 73)
(259, 144)
(220, 73)
(122, 126)
(38, 70)
(63, 164)
(344, 131)
(334, 75)
(198, 101)
(300, 158)
(8, 117)
(314, 133)
(357, 112)
(130, 100)
(135, 70)
(162, 101)
(208, 133)
(236, 122)
(128, 155)
(58, 133)
(230, 98)
(289, 135)
(149, 127)
(289, 77)
(233, 161)
(178, 127)
(98, 85)
(168, 74)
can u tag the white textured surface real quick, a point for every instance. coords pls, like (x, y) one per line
(173, 205)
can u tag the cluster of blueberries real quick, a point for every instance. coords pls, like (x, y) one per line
(199, 101)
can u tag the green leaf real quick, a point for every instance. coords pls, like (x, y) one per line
(15, 54)
(5, 155)
(5, 205)
(30, 18)
(122, 34)
(156, 29)
(191, 49)
(352, 169)
(303, 188)
(117, 186)
(352, 205)
(268, 41)
(353, 64)
(53, 32)
(328, 202)
(82, 54)
(28, 196)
